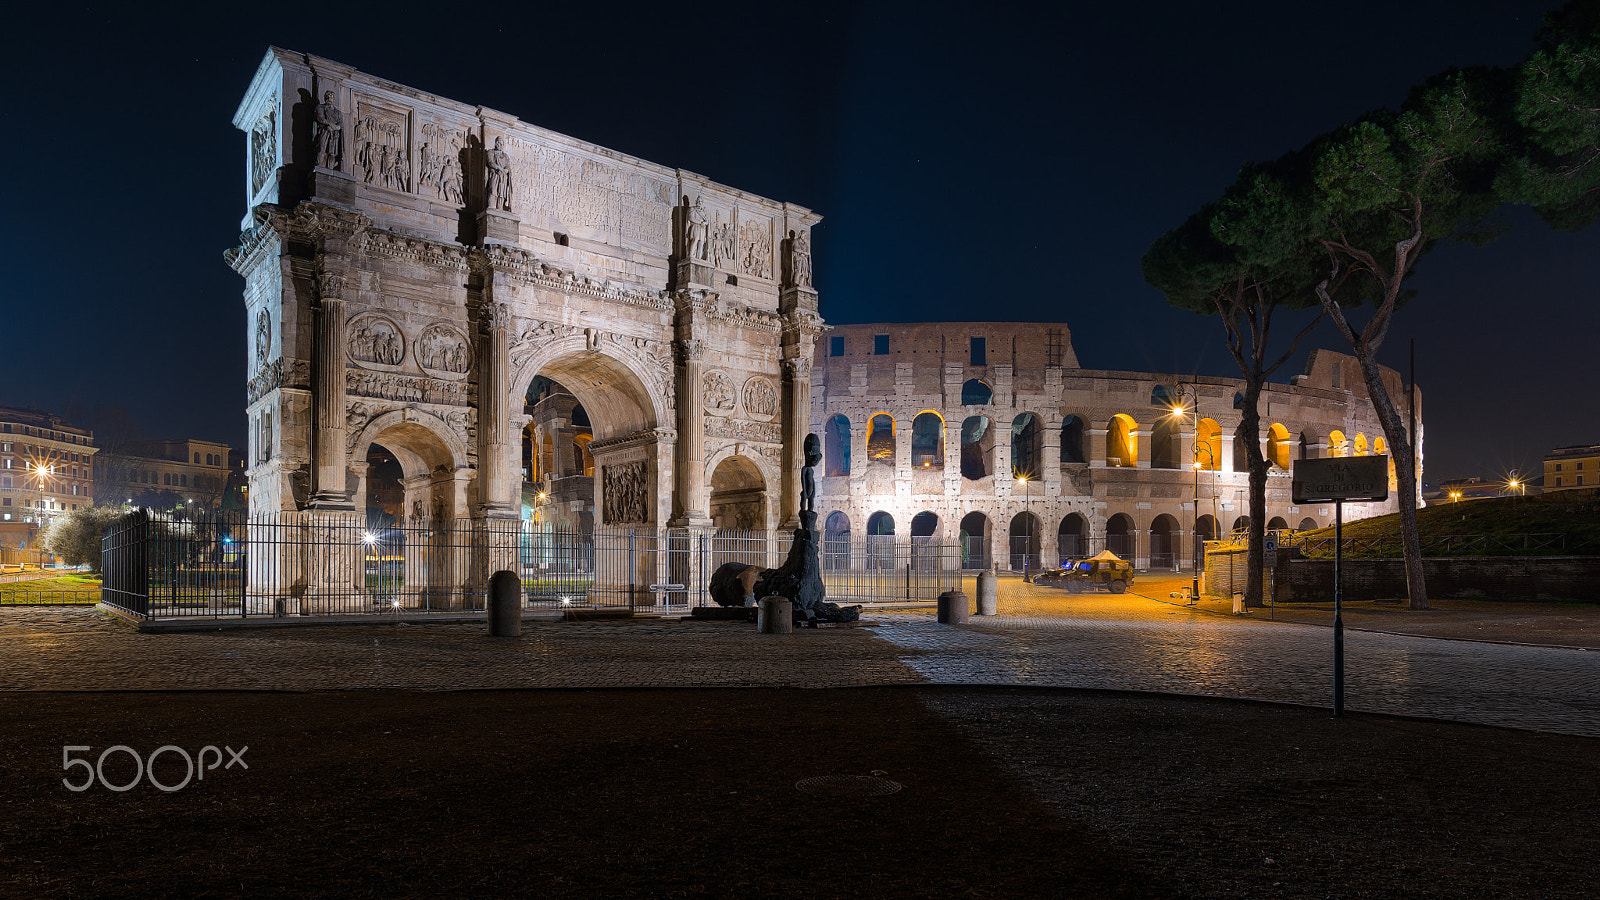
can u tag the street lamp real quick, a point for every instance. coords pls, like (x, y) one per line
(1180, 411)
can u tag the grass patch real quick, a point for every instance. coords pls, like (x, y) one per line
(52, 590)
(1574, 514)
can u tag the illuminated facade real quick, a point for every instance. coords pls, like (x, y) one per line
(1566, 468)
(176, 471)
(45, 466)
(991, 434)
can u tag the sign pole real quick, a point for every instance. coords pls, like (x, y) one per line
(1338, 620)
(1337, 480)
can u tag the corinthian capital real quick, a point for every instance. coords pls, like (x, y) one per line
(690, 349)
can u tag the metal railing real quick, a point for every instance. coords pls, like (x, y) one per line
(317, 563)
(49, 598)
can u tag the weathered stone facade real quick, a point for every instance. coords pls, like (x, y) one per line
(412, 263)
(937, 435)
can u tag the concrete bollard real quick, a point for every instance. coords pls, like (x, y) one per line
(988, 593)
(953, 608)
(505, 604)
(776, 616)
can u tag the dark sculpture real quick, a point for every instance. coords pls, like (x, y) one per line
(800, 576)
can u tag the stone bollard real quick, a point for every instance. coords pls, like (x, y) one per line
(953, 607)
(776, 616)
(1238, 603)
(988, 593)
(505, 604)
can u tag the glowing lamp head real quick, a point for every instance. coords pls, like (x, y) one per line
(369, 538)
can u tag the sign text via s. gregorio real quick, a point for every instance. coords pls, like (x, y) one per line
(1342, 478)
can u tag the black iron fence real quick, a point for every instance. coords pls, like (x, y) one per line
(317, 563)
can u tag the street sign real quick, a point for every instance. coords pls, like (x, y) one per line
(1341, 479)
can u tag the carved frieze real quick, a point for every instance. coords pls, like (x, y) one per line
(755, 246)
(266, 381)
(405, 388)
(741, 316)
(439, 168)
(376, 341)
(381, 142)
(296, 373)
(442, 350)
(719, 394)
(627, 493)
(264, 147)
(745, 430)
(760, 398)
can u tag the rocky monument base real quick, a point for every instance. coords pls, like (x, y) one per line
(799, 579)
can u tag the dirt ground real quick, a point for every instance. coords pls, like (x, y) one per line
(685, 793)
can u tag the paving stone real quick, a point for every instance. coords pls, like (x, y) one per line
(1131, 644)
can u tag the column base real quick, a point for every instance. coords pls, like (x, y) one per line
(331, 501)
(329, 186)
(693, 273)
(497, 227)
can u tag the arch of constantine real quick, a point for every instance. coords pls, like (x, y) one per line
(463, 324)
(413, 265)
(991, 434)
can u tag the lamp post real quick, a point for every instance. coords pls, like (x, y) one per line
(1180, 411)
(1027, 509)
(1194, 596)
(41, 474)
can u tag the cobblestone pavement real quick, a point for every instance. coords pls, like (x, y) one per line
(1092, 641)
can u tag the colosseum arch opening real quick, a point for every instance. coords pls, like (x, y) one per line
(1072, 450)
(975, 538)
(977, 448)
(1072, 537)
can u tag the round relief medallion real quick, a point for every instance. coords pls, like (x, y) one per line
(443, 350)
(376, 342)
(760, 399)
(719, 393)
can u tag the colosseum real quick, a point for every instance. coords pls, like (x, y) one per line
(1090, 460)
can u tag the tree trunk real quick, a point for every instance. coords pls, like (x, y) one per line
(1402, 451)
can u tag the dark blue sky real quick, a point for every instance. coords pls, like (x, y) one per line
(988, 162)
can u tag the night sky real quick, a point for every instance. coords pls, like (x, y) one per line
(975, 162)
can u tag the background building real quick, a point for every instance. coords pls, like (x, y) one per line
(165, 474)
(989, 433)
(1577, 466)
(45, 466)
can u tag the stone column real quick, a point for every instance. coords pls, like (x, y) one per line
(1097, 448)
(796, 424)
(690, 495)
(495, 463)
(330, 446)
(1141, 446)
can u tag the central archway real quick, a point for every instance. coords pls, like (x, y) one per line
(738, 495)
